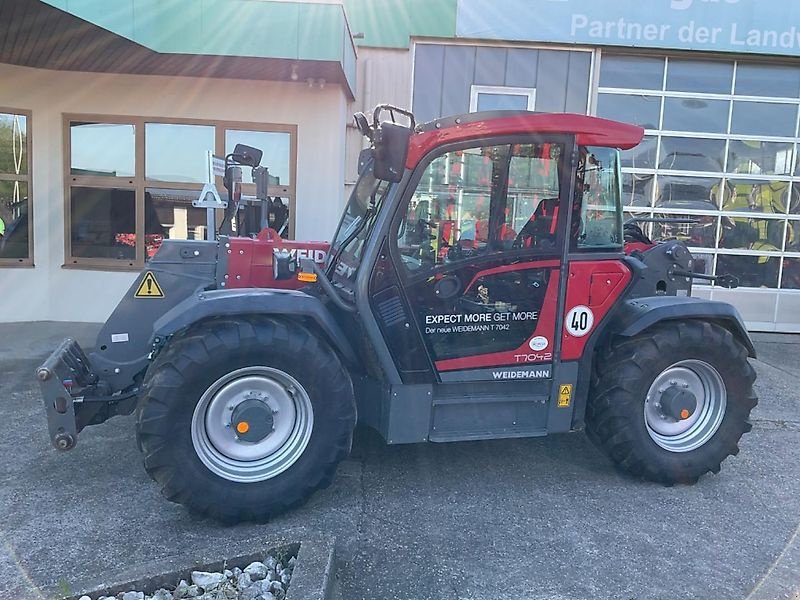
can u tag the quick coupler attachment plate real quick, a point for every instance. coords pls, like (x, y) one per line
(65, 370)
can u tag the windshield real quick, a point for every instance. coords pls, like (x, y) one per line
(355, 227)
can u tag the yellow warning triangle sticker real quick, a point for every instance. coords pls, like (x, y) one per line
(566, 390)
(149, 287)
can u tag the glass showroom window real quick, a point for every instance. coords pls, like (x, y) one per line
(278, 146)
(131, 183)
(720, 151)
(101, 192)
(16, 226)
(175, 170)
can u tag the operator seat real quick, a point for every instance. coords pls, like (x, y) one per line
(540, 230)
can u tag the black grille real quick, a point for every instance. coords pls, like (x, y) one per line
(391, 310)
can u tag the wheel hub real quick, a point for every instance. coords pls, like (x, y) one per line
(253, 420)
(678, 403)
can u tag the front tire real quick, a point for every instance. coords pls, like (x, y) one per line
(243, 420)
(670, 404)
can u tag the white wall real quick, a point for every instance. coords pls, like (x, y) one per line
(50, 292)
(384, 77)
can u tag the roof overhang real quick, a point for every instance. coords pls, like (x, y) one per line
(236, 39)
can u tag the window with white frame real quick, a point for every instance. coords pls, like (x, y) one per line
(493, 97)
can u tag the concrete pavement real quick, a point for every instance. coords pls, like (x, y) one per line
(544, 518)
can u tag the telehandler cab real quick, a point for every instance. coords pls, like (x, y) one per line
(481, 284)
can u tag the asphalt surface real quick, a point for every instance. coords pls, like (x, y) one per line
(545, 518)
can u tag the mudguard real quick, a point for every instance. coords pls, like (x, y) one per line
(182, 276)
(254, 301)
(635, 315)
(181, 269)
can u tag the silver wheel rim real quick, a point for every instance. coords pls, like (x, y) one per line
(214, 437)
(702, 380)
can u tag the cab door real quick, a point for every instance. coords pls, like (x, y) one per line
(477, 244)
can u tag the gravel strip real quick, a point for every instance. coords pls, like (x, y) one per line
(267, 580)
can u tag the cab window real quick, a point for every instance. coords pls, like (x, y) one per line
(598, 213)
(355, 228)
(480, 201)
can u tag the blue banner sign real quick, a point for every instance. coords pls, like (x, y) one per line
(741, 26)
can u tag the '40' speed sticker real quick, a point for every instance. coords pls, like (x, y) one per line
(579, 321)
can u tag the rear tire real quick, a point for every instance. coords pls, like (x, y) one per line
(300, 390)
(624, 415)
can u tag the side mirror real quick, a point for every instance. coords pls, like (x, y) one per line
(391, 150)
(247, 155)
(362, 124)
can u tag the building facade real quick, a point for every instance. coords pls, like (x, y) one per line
(99, 155)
